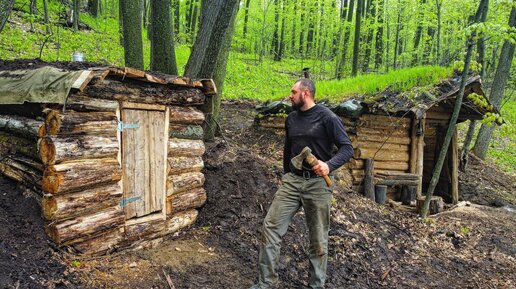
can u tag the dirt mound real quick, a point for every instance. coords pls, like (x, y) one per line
(20, 64)
(485, 184)
(27, 257)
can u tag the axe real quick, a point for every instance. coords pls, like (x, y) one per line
(306, 154)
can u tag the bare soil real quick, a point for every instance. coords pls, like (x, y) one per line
(371, 246)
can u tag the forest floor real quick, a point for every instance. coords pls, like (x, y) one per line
(371, 246)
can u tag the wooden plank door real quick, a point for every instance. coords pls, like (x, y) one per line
(144, 161)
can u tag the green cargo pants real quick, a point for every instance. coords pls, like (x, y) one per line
(315, 198)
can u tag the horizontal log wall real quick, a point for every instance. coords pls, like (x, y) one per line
(70, 158)
(385, 139)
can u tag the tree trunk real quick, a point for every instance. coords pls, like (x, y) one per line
(467, 143)
(93, 6)
(356, 41)
(281, 50)
(162, 48)
(302, 6)
(33, 7)
(246, 17)
(417, 35)
(177, 14)
(275, 35)
(464, 155)
(497, 90)
(45, 16)
(438, 52)
(378, 59)
(210, 53)
(132, 33)
(397, 41)
(76, 14)
(194, 21)
(340, 66)
(311, 27)
(371, 15)
(453, 121)
(481, 48)
(121, 22)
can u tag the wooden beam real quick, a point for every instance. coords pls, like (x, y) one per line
(413, 146)
(455, 169)
(420, 157)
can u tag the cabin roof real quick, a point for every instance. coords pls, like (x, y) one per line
(420, 100)
(48, 84)
(417, 101)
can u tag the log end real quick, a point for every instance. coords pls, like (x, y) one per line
(53, 122)
(47, 151)
(42, 131)
(49, 207)
(51, 231)
(51, 181)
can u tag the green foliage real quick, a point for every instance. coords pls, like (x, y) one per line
(465, 230)
(480, 101)
(101, 44)
(458, 66)
(503, 145)
(75, 264)
(396, 80)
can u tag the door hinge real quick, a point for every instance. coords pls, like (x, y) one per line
(122, 126)
(125, 201)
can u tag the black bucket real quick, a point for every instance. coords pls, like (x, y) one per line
(380, 194)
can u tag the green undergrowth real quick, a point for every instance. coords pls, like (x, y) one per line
(502, 148)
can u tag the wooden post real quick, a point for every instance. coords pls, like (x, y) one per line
(413, 146)
(420, 156)
(369, 179)
(455, 169)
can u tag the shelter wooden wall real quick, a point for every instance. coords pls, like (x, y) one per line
(386, 139)
(70, 159)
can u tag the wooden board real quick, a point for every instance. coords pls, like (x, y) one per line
(144, 162)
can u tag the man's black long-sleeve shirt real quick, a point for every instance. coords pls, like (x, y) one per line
(319, 129)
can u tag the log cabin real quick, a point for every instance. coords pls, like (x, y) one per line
(397, 137)
(113, 155)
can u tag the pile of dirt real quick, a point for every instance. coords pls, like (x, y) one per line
(21, 64)
(485, 184)
(28, 259)
(371, 246)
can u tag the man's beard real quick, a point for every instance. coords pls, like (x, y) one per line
(297, 106)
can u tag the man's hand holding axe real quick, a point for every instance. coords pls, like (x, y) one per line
(319, 167)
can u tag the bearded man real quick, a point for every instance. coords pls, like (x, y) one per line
(314, 126)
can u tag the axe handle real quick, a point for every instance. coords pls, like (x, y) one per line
(327, 180)
(312, 161)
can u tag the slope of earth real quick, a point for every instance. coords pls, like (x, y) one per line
(28, 259)
(371, 246)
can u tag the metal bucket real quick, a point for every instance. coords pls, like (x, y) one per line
(77, 56)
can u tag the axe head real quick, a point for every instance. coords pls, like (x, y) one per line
(297, 161)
